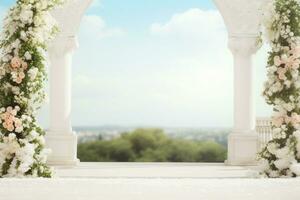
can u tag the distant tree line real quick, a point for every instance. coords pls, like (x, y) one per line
(150, 145)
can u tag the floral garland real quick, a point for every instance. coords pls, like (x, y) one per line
(281, 156)
(27, 30)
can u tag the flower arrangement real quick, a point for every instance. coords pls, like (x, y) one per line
(28, 28)
(281, 156)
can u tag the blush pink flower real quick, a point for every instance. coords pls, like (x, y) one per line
(295, 51)
(277, 121)
(21, 75)
(295, 64)
(10, 128)
(9, 118)
(9, 109)
(24, 65)
(9, 122)
(18, 80)
(281, 73)
(16, 62)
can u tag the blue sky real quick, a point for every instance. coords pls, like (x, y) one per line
(137, 14)
(155, 63)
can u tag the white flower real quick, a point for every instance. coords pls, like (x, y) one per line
(274, 174)
(295, 168)
(23, 35)
(289, 106)
(27, 55)
(272, 147)
(297, 136)
(283, 163)
(26, 14)
(16, 44)
(263, 165)
(32, 73)
(2, 71)
(41, 140)
(282, 153)
(15, 90)
(19, 129)
(288, 83)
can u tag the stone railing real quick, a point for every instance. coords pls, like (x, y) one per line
(263, 128)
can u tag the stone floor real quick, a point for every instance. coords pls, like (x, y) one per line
(138, 181)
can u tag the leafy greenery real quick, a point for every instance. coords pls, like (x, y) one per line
(150, 145)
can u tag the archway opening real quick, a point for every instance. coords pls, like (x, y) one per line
(166, 70)
(242, 42)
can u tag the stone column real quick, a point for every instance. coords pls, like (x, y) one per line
(60, 138)
(242, 142)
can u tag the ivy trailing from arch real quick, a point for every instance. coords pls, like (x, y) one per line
(281, 156)
(28, 29)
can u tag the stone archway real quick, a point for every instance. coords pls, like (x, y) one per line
(242, 21)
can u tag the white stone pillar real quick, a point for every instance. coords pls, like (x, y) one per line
(60, 137)
(243, 141)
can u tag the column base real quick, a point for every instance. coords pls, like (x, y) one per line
(242, 148)
(63, 147)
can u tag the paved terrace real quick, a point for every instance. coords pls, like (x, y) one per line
(140, 181)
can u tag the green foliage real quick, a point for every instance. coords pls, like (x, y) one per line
(150, 145)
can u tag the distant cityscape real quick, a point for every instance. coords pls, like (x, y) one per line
(218, 135)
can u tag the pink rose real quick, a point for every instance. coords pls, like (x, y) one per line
(281, 73)
(19, 80)
(296, 51)
(9, 122)
(16, 62)
(295, 64)
(21, 75)
(9, 118)
(10, 128)
(277, 121)
(24, 65)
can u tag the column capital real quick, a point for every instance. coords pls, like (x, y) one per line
(245, 45)
(63, 44)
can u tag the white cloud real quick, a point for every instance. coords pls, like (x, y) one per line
(94, 27)
(194, 22)
(199, 37)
